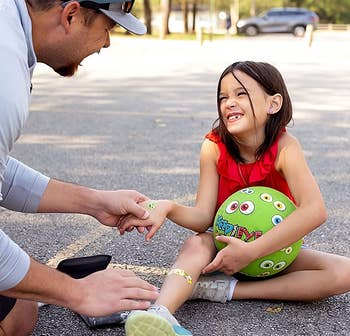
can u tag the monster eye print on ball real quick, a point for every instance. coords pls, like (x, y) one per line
(247, 215)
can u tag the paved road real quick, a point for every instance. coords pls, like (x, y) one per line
(135, 117)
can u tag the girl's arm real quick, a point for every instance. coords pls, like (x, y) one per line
(198, 217)
(310, 214)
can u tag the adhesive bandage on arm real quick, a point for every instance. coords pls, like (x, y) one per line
(151, 205)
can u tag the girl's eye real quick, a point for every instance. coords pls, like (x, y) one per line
(241, 93)
(222, 99)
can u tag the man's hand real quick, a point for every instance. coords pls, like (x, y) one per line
(231, 259)
(111, 206)
(99, 294)
(112, 290)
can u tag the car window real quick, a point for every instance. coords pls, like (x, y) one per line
(296, 13)
(274, 13)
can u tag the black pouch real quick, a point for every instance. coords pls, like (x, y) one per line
(79, 268)
(82, 266)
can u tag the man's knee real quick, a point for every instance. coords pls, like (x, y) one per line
(21, 320)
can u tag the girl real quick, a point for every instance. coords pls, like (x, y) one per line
(248, 147)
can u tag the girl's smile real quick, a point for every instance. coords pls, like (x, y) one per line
(234, 116)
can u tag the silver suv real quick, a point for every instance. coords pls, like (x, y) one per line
(279, 20)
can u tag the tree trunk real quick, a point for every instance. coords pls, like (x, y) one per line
(148, 15)
(165, 6)
(234, 11)
(252, 11)
(184, 6)
(194, 15)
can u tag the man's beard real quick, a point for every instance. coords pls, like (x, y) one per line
(68, 70)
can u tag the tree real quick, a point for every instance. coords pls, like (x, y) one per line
(184, 6)
(165, 6)
(148, 15)
(194, 15)
(252, 7)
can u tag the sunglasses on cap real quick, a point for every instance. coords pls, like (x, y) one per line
(126, 5)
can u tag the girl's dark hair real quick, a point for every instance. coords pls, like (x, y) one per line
(271, 81)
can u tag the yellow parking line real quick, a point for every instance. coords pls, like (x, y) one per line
(141, 269)
(72, 249)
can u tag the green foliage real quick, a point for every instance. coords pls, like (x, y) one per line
(333, 11)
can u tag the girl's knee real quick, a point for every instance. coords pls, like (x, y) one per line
(336, 276)
(342, 275)
(199, 244)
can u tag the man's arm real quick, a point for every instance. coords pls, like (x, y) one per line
(106, 206)
(23, 187)
(27, 190)
(14, 262)
(99, 294)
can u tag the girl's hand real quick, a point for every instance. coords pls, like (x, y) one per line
(158, 211)
(231, 259)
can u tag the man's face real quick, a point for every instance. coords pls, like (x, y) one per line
(84, 41)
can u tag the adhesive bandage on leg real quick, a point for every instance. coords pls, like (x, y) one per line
(182, 273)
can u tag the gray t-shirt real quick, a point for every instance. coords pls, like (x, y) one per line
(21, 187)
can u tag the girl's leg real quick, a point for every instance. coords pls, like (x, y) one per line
(196, 253)
(313, 275)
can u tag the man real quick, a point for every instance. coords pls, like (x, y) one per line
(60, 34)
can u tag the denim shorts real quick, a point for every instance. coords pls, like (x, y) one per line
(6, 305)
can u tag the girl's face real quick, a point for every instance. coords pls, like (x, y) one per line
(235, 108)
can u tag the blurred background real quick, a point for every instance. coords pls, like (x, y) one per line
(183, 18)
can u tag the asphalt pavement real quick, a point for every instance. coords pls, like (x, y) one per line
(135, 117)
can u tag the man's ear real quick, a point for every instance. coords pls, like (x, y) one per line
(275, 103)
(70, 12)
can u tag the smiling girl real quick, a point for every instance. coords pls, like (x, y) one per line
(248, 146)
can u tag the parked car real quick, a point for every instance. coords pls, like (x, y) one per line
(279, 20)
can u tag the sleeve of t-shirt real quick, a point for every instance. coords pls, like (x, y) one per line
(14, 83)
(22, 187)
(14, 263)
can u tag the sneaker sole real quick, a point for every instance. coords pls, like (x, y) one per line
(143, 324)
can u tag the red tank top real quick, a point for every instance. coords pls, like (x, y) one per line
(234, 176)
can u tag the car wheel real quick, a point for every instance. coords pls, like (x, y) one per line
(299, 31)
(251, 31)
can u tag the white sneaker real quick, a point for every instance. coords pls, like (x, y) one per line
(156, 321)
(212, 288)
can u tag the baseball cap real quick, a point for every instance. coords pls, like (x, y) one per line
(118, 11)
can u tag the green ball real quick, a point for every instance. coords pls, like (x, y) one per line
(247, 215)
